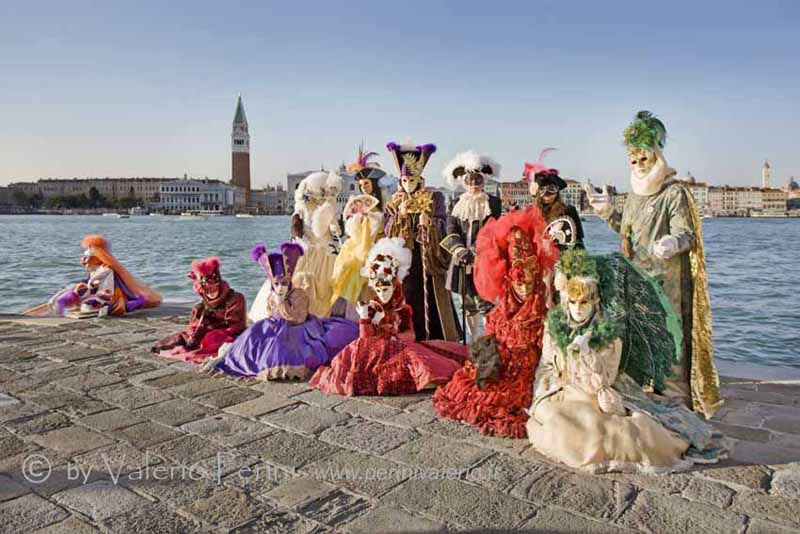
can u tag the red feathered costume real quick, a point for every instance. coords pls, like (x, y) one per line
(219, 318)
(513, 258)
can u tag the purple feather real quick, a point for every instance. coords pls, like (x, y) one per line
(392, 146)
(258, 251)
(427, 149)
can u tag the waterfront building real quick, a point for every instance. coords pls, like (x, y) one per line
(619, 200)
(143, 189)
(774, 200)
(270, 200)
(574, 194)
(293, 179)
(187, 194)
(766, 175)
(240, 151)
(514, 195)
(699, 192)
(730, 201)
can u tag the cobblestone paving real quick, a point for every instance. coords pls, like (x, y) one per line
(97, 434)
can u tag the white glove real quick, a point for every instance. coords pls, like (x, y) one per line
(560, 281)
(378, 317)
(362, 310)
(666, 247)
(610, 402)
(601, 203)
(581, 343)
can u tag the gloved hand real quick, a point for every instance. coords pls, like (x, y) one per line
(362, 310)
(601, 203)
(666, 247)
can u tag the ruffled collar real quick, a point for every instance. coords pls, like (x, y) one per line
(472, 207)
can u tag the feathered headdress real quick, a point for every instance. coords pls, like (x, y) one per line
(494, 263)
(362, 167)
(95, 241)
(532, 169)
(411, 159)
(388, 259)
(206, 267)
(281, 264)
(646, 132)
(317, 185)
(467, 163)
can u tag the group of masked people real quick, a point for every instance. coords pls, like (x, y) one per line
(363, 305)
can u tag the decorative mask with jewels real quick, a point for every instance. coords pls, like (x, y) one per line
(524, 264)
(386, 267)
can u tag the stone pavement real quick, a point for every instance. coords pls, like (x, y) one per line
(97, 434)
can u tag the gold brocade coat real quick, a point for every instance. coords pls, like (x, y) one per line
(422, 227)
(643, 222)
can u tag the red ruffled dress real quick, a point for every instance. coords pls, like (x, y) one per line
(385, 359)
(512, 246)
(499, 408)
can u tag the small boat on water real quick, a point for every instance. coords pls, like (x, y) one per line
(244, 216)
(190, 216)
(137, 210)
(117, 215)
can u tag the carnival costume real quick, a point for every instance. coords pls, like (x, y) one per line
(218, 318)
(385, 359)
(586, 412)
(109, 289)
(417, 215)
(290, 342)
(563, 221)
(315, 226)
(661, 233)
(469, 171)
(492, 392)
(363, 225)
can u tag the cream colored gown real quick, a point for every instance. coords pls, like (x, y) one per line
(567, 423)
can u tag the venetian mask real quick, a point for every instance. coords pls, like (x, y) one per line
(410, 183)
(641, 161)
(89, 262)
(210, 286)
(581, 300)
(474, 183)
(549, 193)
(365, 185)
(522, 283)
(384, 289)
(282, 287)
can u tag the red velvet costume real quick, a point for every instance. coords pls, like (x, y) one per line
(217, 319)
(385, 359)
(513, 257)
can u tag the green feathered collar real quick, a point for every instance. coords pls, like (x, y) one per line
(605, 327)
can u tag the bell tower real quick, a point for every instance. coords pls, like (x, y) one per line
(240, 151)
(766, 175)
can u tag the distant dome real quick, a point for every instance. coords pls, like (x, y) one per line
(792, 185)
(689, 178)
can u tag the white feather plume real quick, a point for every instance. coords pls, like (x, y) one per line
(472, 162)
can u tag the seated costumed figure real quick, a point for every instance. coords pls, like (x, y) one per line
(418, 215)
(290, 342)
(545, 185)
(492, 392)
(385, 359)
(661, 234)
(315, 225)
(474, 208)
(108, 289)
(363, 224)
(217, 319)
(586, 412)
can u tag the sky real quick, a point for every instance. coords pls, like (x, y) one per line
(149, 88)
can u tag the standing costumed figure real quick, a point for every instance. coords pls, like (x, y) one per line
(473, 209)
(545, 185)
(108, 289)
(418, 216)
(315, 225)
(385, 360)
(661, 234)
(290, 342)
(586, 412)
(363, 224)
(217, 319)
(493, 391)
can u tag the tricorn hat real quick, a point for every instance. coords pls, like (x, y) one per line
(363, 168)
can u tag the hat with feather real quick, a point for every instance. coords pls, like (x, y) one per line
(411, 159)
(646, 132)
(467, 163)
(541, 174)
(363, 169)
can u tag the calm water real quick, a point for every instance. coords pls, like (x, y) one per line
(754, 270)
